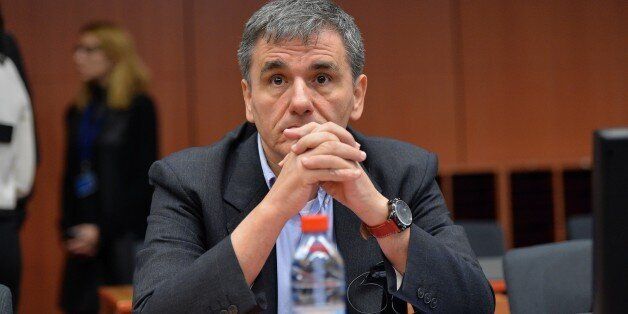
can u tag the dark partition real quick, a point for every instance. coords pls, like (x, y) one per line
(610, 203)
(532, 207)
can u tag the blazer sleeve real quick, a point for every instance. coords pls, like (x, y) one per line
(176, 272)
(442, 273)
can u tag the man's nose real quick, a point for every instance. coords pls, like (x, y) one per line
(301, 101)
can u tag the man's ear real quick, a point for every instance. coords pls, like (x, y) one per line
(359, 92)
(246, 94)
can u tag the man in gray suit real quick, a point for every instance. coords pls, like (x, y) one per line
(224, 218)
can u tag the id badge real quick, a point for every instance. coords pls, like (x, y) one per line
(86, 184)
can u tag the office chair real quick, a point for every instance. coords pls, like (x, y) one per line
(580, 227)
(550, 278)
(487, 241)
(485, 236)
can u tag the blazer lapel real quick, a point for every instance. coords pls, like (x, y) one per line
(245, 189)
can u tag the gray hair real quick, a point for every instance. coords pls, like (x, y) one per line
(285, 20)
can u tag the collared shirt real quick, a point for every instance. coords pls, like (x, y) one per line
(291, 233)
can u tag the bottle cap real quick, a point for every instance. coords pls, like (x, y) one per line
(314, 223)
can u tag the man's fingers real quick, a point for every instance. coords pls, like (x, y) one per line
(335, 175)
(339, 131)
(312, 140)
(297, 133)
(327, 162)
(339, 149)
(285, 159)
(312, 127)
(280, 164)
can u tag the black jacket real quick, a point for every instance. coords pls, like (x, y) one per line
(202, 194)
(123, 153)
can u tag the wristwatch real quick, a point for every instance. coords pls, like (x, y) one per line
(399, 219)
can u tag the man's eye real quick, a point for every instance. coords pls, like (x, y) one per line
(322, 79)
(277, 80)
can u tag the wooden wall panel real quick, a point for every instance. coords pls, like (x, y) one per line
(411, 94)
(217, 104)
(409, 65)
(47, 32)
(540, 76)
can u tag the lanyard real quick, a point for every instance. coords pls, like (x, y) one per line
(89, 129)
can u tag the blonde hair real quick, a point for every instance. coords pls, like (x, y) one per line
(128, 76)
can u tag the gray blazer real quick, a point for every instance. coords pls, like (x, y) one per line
(202, 194)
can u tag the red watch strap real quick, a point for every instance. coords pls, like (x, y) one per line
(389, 227)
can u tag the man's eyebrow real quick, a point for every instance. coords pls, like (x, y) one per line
(272, 65)
(323, 65)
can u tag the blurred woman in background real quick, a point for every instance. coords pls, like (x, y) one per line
(111, 143)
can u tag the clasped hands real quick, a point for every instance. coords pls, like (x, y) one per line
(326, 155)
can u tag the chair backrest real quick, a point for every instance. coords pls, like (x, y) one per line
(550, 278)
(485, 236)
(580, 227)
(6, 305)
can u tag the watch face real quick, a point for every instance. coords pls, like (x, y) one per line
(404, 214)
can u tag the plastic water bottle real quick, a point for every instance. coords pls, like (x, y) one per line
(318, 272)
